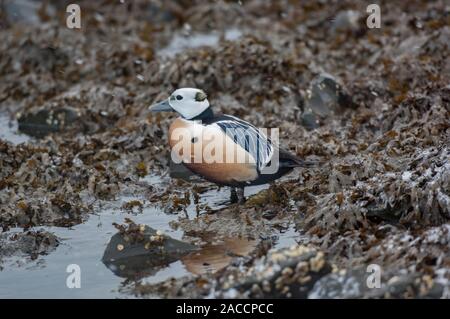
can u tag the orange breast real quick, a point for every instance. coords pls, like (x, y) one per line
(209, 152)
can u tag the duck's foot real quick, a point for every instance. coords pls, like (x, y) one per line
(237, 195)
(240, 195)
(233, 195)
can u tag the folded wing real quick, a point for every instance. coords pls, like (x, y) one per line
(250, 138)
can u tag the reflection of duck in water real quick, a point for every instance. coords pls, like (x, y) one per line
(138, 259)
(223, 149)
(142, 254)
(213, 257)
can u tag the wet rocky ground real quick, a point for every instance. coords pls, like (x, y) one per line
(373, 105)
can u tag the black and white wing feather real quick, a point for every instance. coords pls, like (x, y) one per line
(250, 138)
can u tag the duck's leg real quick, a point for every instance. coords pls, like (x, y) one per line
(233, 195)
(240, 195)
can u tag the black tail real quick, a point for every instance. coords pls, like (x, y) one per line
(289, 160)
(299, 163)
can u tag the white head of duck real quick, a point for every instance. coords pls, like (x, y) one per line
(188, 102)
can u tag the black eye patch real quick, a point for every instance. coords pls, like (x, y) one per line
(179, 97)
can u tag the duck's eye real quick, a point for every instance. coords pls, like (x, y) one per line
(179, 97)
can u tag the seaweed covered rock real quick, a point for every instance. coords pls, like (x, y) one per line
(353, 284)
(247, 65)
(28, 244)
(341, 284)
(286, 273)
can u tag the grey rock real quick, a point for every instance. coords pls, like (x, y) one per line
(324, 97)
(44, 121)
